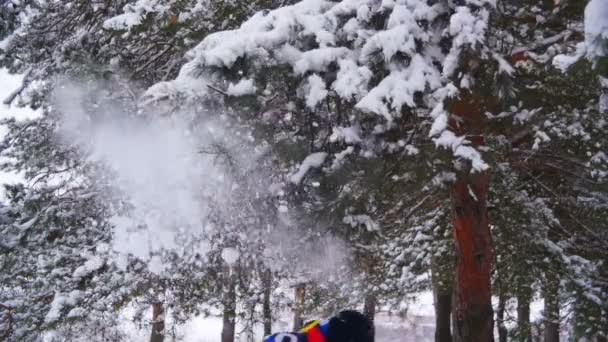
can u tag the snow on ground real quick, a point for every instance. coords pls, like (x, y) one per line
(388, 329)
(417, 325)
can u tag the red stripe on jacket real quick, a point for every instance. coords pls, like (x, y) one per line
(315, 335)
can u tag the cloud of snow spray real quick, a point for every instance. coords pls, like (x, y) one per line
(157, 163)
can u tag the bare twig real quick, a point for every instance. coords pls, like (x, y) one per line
(543, 43)
(214, 88)
(153, 59)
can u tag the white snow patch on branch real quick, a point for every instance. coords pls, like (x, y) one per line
(314, 160)
(503, 65)
(89, 266)
(355, 220)
(319, 59)
(458, 146)
(349, 135)
(351, 80)
(564, 62)
(134, 14)
(230, 255)
(60, 301)
(317, 91)
(596, 28)
(243, 87)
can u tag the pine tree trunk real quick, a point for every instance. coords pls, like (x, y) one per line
(474, 317)
(500, 318)
(442, 293)
(266, 308)
(369, 264)
(369, 307)
(443, 312)
(229, 315)
(158, 322)
(551, 333)
(524, 331)
(298, 318)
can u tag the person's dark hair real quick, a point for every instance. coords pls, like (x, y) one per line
(350, 326)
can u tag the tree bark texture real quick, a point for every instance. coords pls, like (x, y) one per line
(266, 308)
(229, 315)
(158, 322)
(300, 296)
(369, 307)
(473, 311)
(443, 312)
(551, 310)
(524, 329)
(500, 318)
(443, 280)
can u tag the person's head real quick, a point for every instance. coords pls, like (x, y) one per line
(350, 326)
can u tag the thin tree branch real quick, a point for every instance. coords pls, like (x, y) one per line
(12, 96)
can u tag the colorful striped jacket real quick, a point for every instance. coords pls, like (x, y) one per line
(316, 331)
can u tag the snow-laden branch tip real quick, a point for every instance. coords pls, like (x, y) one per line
(314, 160)
(24, 83)
(230, 255)
(596, 36)
(242, 87)
(596, 28)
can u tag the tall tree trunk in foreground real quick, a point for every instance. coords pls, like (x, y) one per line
(266, 308)
(369, 264)
(443, 312)
(551, 311)
(158, 322)
(300, 295)
(443, 279)
(229, 315)
(474, 317)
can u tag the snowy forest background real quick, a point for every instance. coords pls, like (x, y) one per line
(262, 163)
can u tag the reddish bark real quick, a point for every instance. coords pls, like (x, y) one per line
(473, 315)
(474, 318)
(519, 57)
